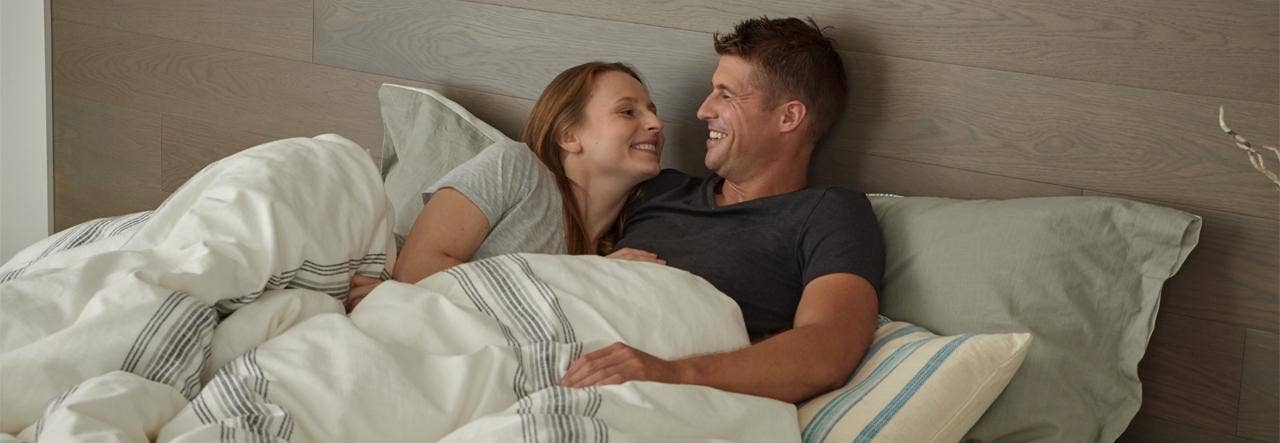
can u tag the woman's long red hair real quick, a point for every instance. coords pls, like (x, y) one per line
(561, 106)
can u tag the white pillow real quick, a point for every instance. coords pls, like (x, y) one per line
(424, 136)
(915, 386)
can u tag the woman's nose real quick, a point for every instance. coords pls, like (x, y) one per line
(654, 124)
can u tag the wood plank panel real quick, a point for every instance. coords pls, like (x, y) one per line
(273, 27)
(1148, 429)
(1226, 48)
(1153, 144)
(240, 91)
(1230, 277)
(1260, 388)
(870, 173)
(187, 145)
(106, 161)
(516, 53)
(1191, 373)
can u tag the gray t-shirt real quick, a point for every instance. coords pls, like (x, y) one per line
(762, 252)
(517, 193)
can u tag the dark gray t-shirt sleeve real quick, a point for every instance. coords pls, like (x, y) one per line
(842, 235)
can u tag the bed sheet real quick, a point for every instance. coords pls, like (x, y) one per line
(218, 317)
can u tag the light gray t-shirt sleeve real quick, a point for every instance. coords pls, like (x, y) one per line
(495, 180)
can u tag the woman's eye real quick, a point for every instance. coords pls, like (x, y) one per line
(629, 112)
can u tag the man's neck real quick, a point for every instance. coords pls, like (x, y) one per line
(737, 192)
(778, 178)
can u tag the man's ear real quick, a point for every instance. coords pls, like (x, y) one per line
(569, 142)
(793, 114)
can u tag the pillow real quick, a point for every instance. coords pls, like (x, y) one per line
(424, 136)
(1081, 274)
(915, 386)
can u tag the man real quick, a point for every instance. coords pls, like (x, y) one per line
(803, 263)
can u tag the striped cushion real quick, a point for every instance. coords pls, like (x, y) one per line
(915, 386)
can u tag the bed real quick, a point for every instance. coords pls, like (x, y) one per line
(224, 305)
(978, 101)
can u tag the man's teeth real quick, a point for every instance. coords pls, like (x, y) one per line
(646, 147)
(716, 135)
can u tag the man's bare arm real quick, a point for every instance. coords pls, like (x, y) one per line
(834, 325)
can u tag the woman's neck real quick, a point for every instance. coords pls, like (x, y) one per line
(600, 200)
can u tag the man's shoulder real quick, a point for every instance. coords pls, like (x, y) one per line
(836, 204)
(833, 196)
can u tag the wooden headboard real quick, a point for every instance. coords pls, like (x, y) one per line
(976, 99)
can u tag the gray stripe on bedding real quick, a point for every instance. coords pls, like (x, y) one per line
(184, 328)
(331, 279)
(529, 313)
(83, 234)
(53, 406)
(236, 401)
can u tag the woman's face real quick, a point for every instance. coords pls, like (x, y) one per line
(620, 135)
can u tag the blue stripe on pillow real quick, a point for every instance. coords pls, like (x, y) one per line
(825, 420)
(881, 342)
(913, 386)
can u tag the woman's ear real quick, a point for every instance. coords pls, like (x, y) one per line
(793, 114)
(569, 141)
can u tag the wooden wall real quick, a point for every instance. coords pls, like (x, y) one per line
(975, 99)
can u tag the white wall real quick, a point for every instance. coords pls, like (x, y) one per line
(25, 125)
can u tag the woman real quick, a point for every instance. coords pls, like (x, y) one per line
(592, 136)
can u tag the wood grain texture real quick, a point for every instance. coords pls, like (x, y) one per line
(106, 161)
(241, 91)
(1191, 373)
(516, 53)
(1227, 48)
(870, 173)
(1230, 276)
(187, 145)
(273, 27)
(1152, 144)
(1260, 388)
(1147, 429)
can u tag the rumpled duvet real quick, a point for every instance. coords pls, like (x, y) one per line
(218, 317)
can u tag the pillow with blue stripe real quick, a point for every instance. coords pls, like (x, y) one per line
(913, 385)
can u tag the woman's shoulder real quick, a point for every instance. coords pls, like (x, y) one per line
(508, 148)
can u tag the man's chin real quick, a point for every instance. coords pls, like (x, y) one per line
(712, 164)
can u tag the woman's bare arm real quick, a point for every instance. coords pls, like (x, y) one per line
(447, 233)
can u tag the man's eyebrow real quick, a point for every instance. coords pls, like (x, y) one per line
(724, 87)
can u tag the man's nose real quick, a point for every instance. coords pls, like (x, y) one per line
(704, 110)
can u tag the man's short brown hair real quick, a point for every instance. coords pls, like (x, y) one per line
(794, 60)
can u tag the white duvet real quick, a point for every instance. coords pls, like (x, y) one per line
(217, 317)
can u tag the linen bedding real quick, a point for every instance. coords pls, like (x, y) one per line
(218, 317)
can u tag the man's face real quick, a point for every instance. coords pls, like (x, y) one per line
(741, 130)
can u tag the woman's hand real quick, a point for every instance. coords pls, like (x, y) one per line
(360, 287)
(636, 255)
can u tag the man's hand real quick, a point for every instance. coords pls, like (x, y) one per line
(834, 325)
(360, 287)
(636, 255)
(617, 364)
